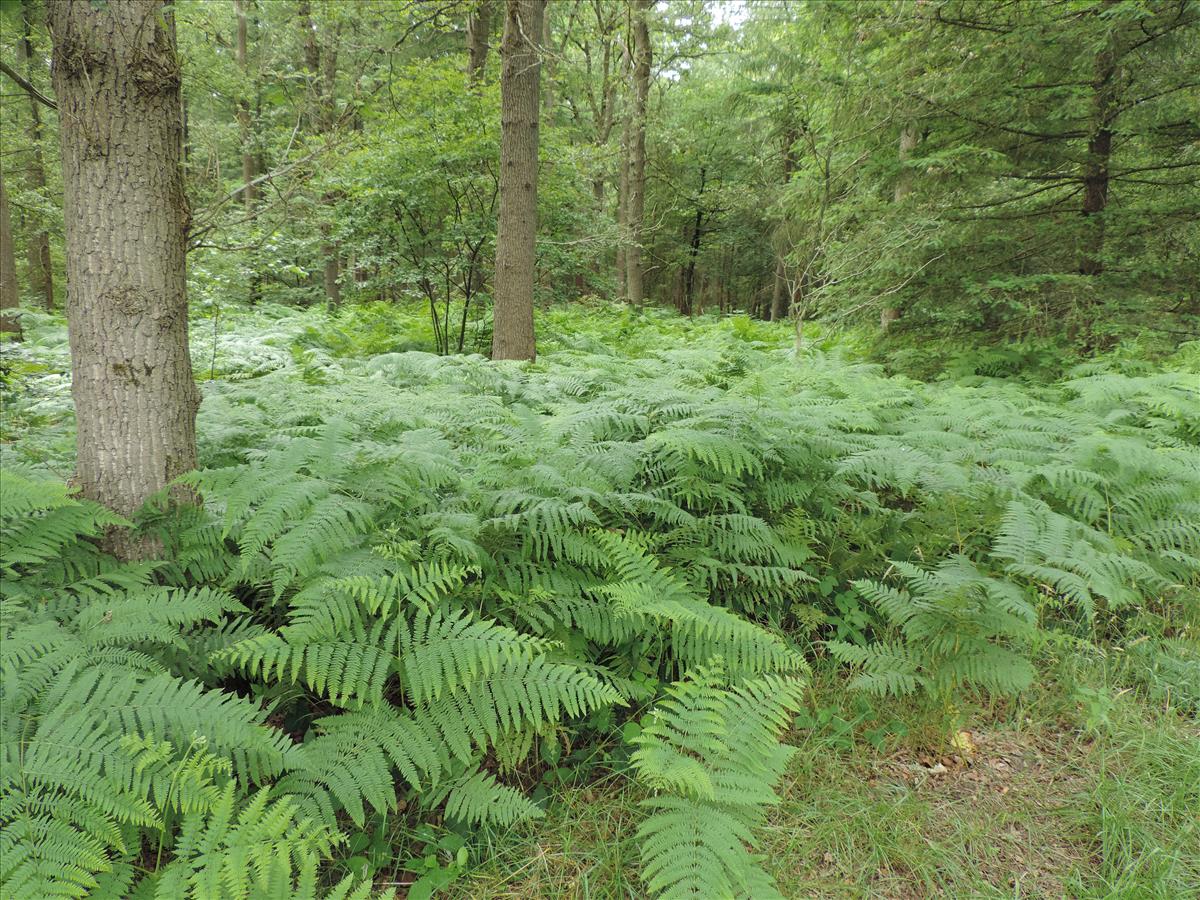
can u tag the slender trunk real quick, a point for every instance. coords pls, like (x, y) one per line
(479, 27)
(312, 64)
(1095, 167)
(516, 234)
(904, 181)
(117, 79)
(10, 301)
(623, 182)
(637, 164)
(780, 295)
(249, 193)
(547, 86)
(689, 281)
(909, 137)
(321, 63)
(779, 292)
(41, 273)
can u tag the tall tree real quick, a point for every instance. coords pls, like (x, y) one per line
(623, 179)
(904, 185)
(479, 29)
(9, 296)
(1099, 154)
(321, 63)
(41, 273)
(245, 134)
(781, 293)
(516, 234)
(636, 206)
(117, 79)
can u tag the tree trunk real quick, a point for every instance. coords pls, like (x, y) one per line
(249, 192)
(637, 163)
(1095, 167)
(689, 281)
(10, 300)
(479, 27)
(623, 183)
(780, 294)
(516, 234)
(117, 80)
(904, 181)
(321, 63)
(909, 137)
(41, 273)
(546, 88)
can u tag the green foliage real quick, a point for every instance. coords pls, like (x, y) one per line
(410, 571)
(712, 756)
(953, 628)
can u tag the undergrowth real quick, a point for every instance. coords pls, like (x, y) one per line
(421, 588)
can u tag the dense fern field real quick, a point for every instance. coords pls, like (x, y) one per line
(429, 600)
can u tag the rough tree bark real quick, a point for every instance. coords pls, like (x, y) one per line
(479, 29)
(41, 273)
(909, 137)
(516, 235)
(10, 323)
(117, 79)
(636, 206)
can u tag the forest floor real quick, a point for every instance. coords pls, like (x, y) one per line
(1081, 790)
(1086, 785)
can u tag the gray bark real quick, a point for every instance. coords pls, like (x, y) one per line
(117, 79)
(516, 236)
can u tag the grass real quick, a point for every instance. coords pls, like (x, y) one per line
(1083, 788)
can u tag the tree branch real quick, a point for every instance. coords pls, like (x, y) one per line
(22, 83)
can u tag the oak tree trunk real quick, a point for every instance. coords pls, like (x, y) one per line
(636, 207)
(117, 79)
(41, 274)
(10, 322)
(516, 235)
